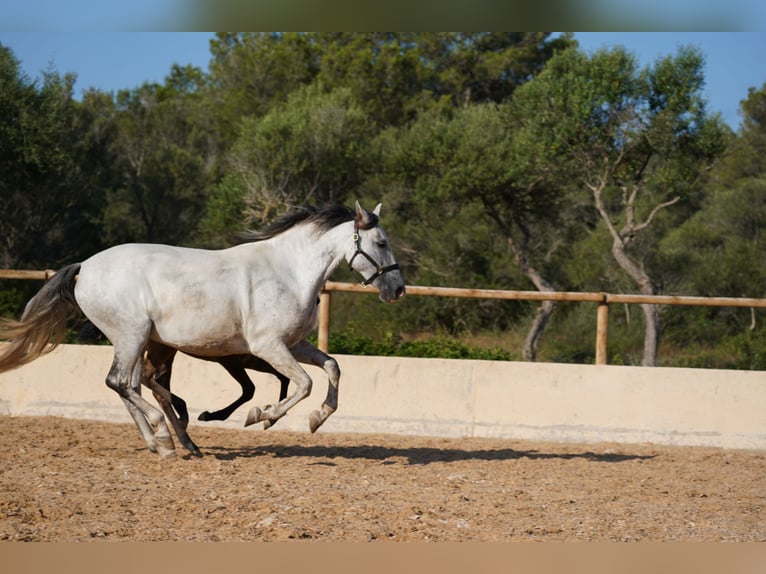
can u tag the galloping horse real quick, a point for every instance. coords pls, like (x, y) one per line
(255, 298)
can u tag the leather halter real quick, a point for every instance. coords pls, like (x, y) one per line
(380, 270)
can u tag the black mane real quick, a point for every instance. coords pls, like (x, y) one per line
(323, 217)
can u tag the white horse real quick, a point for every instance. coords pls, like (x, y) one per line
(257, 298)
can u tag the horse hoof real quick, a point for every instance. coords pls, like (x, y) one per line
(204, 416)
(253, 416)
(267, 424)
(165, 446)
(193, 449)
(315, 421)
(166, 453)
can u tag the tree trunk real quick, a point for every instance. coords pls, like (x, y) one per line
(651, 335)
(620, 241)
(519, 248)
(544, 312)
(651, 313)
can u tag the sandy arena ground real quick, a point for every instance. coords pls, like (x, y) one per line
(74, 480)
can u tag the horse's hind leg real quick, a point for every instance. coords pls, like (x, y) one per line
(125, 378)
(233, 365)
(143, 426)
(179, 405)
(161, 374)
(158, 367)
(164, 399)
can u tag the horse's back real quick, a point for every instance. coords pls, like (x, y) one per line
(147, 286)
(144, 257)
(130, 273)
(199, 301)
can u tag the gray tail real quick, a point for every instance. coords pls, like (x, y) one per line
(43, 323)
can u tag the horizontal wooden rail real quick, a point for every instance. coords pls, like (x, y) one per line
(689, 301)
(581, 297)
(476, 293)
(26, 274)
(603, 300)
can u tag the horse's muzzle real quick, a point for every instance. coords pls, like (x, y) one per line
(393, 294)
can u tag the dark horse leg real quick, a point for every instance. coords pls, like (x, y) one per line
(158, 365)
(235, 365)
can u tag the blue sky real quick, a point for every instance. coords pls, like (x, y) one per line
(111, 61)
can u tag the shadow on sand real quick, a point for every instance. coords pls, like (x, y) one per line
(413, 455)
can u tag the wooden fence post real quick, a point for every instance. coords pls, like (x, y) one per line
(602, 328)
(323, 332)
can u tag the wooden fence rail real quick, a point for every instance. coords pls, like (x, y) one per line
(602, 300)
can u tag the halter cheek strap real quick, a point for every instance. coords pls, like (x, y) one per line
(380, 270)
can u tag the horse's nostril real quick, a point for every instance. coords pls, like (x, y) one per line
(400, 292)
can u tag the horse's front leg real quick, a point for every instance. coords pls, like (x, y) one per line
(283, 361)
(308, 354)
(258, 364)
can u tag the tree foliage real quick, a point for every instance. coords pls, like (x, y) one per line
(250, 72)
(46, 190)
(635, 140)
(712, 251)
(164, 162)
(309, 150)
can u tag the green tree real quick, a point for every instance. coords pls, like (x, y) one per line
(47, 189)
(312, 149)
(395, 75)
(390, 75)
(635, 140)
(165, 162)
(719, 252)
(716, 252)
(466, 160)
(251, 71)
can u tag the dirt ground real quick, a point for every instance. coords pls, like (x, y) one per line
(74, 480)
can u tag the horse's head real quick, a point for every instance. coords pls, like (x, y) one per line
(373, 257)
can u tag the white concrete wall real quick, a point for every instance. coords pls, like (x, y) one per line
(440, 397)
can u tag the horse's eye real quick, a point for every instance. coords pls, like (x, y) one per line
(382, 244)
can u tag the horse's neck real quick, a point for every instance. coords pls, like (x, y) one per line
(312, 257)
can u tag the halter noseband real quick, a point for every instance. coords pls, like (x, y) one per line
(359, 251)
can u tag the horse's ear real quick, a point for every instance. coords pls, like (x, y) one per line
(376, 211)
(363, 219)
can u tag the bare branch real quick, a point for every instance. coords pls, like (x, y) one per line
(630, 213)
(654, 212)
(597, 189)
(633, 194)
